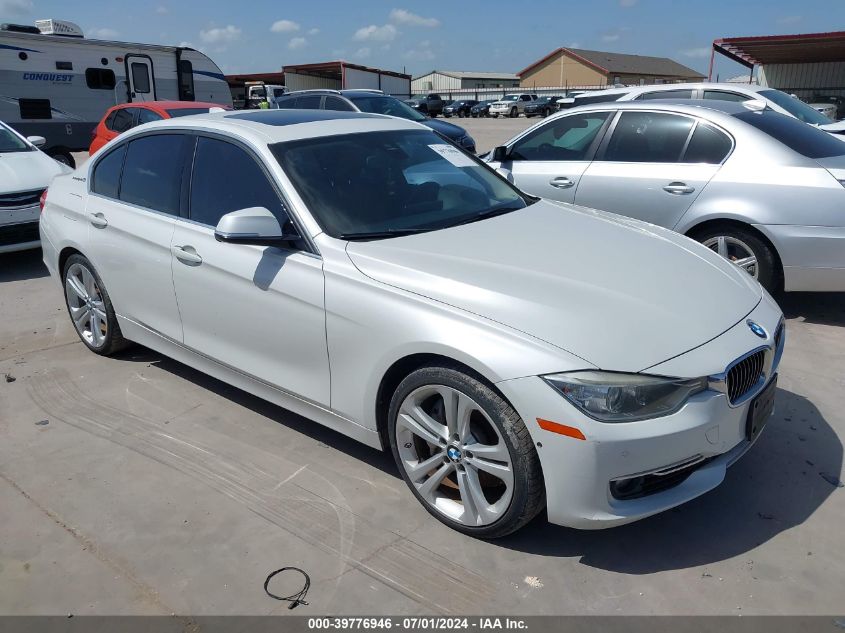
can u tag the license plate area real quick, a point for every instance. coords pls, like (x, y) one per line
(761, 410)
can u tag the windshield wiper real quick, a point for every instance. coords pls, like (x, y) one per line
(375, 235)
(489, 213)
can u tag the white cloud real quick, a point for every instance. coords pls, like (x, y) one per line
(284, 26)
(574, 45)
(610, 37)
(372, 32)
(790, 19)
(362, 53)
(627, 3)
(403, 16)
(297, 42)
(702, 51)
(162, 10)
(420, 54)
(15, 7)
(218, 35)
(103, 34)
(313, 31)
(186, 45)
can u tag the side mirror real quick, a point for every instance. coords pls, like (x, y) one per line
(255, 225)
(499, 155)
(38, 141)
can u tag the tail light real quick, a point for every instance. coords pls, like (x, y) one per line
(43, 200)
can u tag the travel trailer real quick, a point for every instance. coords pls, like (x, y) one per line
(57, 84)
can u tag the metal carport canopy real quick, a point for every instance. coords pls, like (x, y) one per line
(782, 49)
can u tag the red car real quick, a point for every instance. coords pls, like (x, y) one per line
(127, 115)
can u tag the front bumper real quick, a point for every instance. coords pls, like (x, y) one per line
(708, 429)
(19, 229)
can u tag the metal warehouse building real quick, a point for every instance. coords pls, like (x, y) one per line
(457, 80)
(806, 65)
(341, 75)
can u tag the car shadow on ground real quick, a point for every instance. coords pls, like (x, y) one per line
(823, 308)
(22, 265)
(777, 485)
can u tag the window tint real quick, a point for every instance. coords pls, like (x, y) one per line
(567, 138)
(120, 120)
(227, 179)
(665, 94)
(106, 176)
(598, 98)
(35, 109)
(795, 107)
(311, 102)
(147, 116)
(648, 137)
(100, 78)
(186, 80)
(152, 172)
(140, 77)
(721, 95)
(286, 104)
(336, 103)
(278, 92)
(708, 145)
(800, 137)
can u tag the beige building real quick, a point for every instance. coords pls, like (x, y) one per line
(576, 67)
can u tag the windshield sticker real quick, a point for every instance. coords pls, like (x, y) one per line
(453, 155)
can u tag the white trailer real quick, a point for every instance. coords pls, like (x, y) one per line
(57, 84)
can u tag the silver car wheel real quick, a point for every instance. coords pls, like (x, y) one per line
(735, 251)
(85, 302)
(454, 455)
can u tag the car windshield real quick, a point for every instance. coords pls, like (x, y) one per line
(376, 185)
(510, 98)
(796, 108)
(804, 139)
(387, 105)
(11, 142)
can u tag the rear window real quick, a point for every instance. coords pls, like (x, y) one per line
(177, 112)
(665, 94)
(599, 98)
(799, 137)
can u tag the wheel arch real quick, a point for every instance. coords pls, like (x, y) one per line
(64, 255)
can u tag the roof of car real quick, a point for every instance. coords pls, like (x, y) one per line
(731, 87)
(170, 105)
(682, 105)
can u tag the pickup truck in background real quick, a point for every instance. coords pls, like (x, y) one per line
(431, 104)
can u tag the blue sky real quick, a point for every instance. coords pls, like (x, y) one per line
(494, 35)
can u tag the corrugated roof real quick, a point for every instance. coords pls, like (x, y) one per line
(622, 63)
(784, 49)
(469, 74)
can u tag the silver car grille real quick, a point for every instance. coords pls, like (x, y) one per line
(745, 375)
(20, 199)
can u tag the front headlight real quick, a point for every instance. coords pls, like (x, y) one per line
(616, 397)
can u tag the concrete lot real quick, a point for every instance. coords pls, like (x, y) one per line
(135, 485)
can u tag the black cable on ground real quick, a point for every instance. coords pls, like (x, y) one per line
(295, 599)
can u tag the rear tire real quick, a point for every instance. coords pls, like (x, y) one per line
(514, 113)
(746, 249)
(473, 460)
(63, 157)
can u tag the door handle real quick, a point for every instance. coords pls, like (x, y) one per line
(678, 188)
(561, 182)
(186, 254)
(98, 220)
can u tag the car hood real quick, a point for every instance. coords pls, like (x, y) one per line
(446, 129)
(621, 294)
(27, 171)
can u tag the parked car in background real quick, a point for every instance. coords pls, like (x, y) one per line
(430, 105)
(25, 172)
(481, 109)
(459, 109)
(542, 106)
(125, 116)
(827, 109)
(512, 353)
(375, 102)
(775, 99)
(760, 188)
(837, 100)
(258, 92)
(511, 105)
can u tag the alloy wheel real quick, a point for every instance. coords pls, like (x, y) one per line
(454, 455)
(85, 302)
(735, 251)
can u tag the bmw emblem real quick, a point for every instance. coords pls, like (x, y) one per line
(756, 328)
(453, 453)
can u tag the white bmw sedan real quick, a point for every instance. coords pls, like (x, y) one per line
(512, 353)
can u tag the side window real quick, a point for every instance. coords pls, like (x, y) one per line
(567, 138)
(186, 80)
(147, 116)
(152, 172)
(287, 103)
(665, 94)
(122, 120)
(278, 92)
(336, 103)
(721, 95)
(434, 97)
(106, 177)
(310, 102)
(35, 109)
(110, 119)
(140, 77)
(525, 98)
(648, 137)
(100, 78)
(225, 179)
(708, 145)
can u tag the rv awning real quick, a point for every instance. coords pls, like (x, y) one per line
(783, 49)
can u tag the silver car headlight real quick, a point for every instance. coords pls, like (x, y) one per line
(618, 397)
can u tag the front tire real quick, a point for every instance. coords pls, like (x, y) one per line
(63, 157)
(464, 452)
(514, 113)
(746, 250)
(90, 307)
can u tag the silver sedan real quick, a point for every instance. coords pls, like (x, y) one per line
(762, 189)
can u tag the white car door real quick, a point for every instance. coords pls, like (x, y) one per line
(258, 309)
(550, 160)
(643, 170)
(132, 217)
